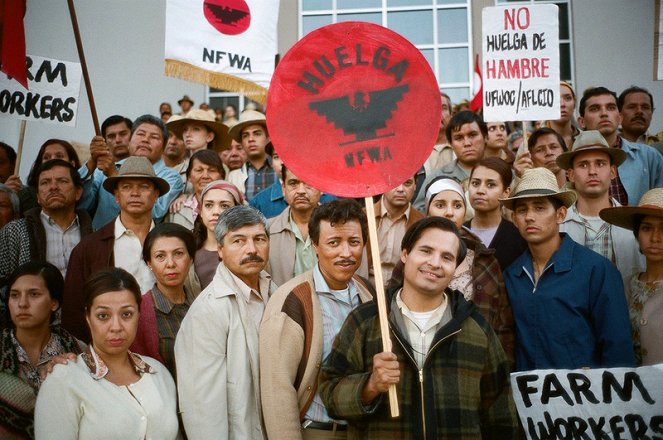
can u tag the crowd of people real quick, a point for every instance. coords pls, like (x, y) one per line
(183, 282)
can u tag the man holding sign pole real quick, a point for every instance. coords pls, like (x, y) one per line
(449, 368)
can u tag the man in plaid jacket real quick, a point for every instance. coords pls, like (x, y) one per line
(449, 368)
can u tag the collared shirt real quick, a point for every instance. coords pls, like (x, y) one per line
(99, 369)
(128, 251)
(258, 179)
(390, 233)
(60, 242)
(335, 306)
(28, 372)
(169, 317)
(420, 334)
(441, 155)
(305, 257)
(617, 190)
(255, 301)
(598, 236)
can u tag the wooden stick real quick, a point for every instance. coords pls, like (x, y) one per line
(525, 140)
(86, 76)
(19, 149)
(382, 302)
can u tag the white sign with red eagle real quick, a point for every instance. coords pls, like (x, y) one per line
(228, 44)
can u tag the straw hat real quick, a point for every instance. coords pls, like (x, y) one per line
(590, 140)
(248, 117)
(137, 167)
(226, 186)
(651, 203)
(221, 138)
(539, 182)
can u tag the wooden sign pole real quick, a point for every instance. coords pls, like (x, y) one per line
(381, 298)
(19, 149)
(86, 75)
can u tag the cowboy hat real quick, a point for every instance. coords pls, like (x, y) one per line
(137, 167)
(539, 182)
(590, 140)
(221, 139)
(248, 117)
(651, 204)
(185, 98)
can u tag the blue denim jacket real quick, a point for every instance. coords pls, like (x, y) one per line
(641, 171)
(575, 316)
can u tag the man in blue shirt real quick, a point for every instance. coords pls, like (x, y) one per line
(568, 302)
(148, 139)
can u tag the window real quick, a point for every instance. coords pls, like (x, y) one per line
(565, 32)
(440, 29)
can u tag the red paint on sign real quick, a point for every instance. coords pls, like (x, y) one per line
(230, 17)
(353, 109)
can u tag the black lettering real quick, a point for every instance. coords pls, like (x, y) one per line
(398, 70)
(578, 428)
(637, 427)
(31, 102)
(52, 74)
(45, 107)
(16, 104)
(330, 69)
(247, 64)
(580, 385)
(538, 42)
(56, 109)
(5, 99)
(562, 430)
(387, 154)
(374, 154)
(236, 60)
(360, 156)
(524, 389)
(28, 65)
(310, 80)
(68, 112)
(553, 388)
(597, 428)
(656, 425)
(616, 428)
(625, 392)
(349, 160)
(543, 432)
(341, 56)
(208, 55)
(379, 60)
(358, 60)
(219, 56)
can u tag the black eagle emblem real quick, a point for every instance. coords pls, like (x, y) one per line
(225, 14)
(364, 117)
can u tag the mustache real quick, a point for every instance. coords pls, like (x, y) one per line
(251, 259)
(350, 261)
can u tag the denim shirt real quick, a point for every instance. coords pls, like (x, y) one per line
(641, 171)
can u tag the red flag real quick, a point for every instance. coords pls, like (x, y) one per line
(12, 50)
(477, 100)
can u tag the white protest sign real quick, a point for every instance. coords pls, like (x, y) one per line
(601, 404)
(52, 96)
(520, 63)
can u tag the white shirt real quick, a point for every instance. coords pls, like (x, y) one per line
(128, 252)
(73, 404)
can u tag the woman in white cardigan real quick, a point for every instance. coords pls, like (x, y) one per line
(109, 392)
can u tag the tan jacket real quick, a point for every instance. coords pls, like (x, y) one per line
(216, 351)
(291, 354)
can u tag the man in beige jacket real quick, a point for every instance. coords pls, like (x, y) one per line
(301, 321)
(216, 349)
(291, 252)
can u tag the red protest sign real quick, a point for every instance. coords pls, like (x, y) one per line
(353, 109)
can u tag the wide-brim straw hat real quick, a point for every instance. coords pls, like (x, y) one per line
(650, 204)
(590, 140)
(221, 138)
(539, 182)
(137, 167)
(246, 118)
